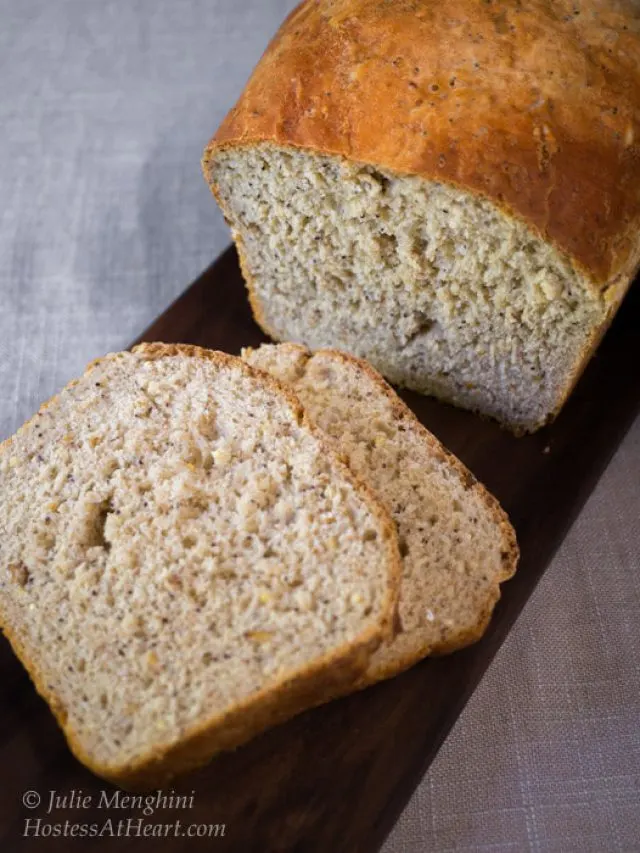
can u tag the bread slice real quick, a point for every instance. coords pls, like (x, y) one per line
(183, 560)
(457, 543)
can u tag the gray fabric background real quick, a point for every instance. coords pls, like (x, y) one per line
(104, 110)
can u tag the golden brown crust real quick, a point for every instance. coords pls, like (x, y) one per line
(510, 552)
(535, 106)
(301, 690)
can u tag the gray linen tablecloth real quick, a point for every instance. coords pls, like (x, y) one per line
(104, 109)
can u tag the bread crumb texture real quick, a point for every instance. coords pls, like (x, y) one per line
(438, 288)
(173, 540)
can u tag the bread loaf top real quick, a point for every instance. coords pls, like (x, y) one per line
(535, 106)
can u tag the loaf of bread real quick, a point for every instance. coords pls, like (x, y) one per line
(184, 561)
(457, 543)
(451, 190)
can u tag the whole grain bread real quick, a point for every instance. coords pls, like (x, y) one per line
(449, 190)
(457, 543)
(184, 561)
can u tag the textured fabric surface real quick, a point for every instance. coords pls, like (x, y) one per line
(104, 110)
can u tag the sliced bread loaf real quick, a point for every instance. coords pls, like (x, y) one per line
(450, 190)
(456, 541)
(184, 561)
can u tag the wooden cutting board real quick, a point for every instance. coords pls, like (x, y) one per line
(335, 779)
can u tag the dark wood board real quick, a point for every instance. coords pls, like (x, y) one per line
(335, 779)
